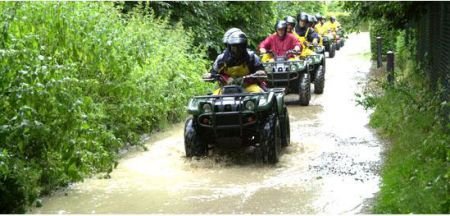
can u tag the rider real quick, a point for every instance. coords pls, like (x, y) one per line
(235, 62)
(279, 43)
(333, 25)
(320, 27)
(290, 21)
(306, 33)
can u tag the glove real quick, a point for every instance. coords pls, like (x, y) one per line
(262, 50)
(260, 73)
(315, 42)
(230, 80)
(206, 76)
(297, 48)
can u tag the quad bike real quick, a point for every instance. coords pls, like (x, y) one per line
(329, 44)
(260, 120)
(291, 75)
(341, 36)
(316, 69)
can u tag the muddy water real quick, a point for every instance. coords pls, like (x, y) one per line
(330, 167)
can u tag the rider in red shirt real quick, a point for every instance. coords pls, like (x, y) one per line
(281, 42)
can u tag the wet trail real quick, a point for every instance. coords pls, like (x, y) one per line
(330, 167)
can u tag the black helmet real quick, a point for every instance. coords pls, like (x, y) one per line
(280, 24)
(237, 44)
(332, 18)
(290, 20)
(302, 17)
(237, 37)
(318, 16)
(228, 33)
(313, 19)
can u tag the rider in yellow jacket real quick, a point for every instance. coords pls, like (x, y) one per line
(321, 28)
(333, 25)
(306, 34)
(235, 62)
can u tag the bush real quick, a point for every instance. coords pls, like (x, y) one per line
(78, 81)
(389, 36)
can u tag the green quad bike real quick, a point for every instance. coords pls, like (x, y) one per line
(260, 120)
(330, 44)
(341, 36)
(316, 68)
(292, 75)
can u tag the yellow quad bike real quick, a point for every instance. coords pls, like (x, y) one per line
(238, 117)
(290, 74)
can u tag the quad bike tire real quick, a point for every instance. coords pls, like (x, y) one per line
(338, 46)
(319, 81)
(285, 129)
(332, 51)
(193, 144)
(304, 90)
(342, 43)
(272, 134)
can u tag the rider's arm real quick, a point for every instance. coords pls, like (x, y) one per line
(265, 44)
(217, 65)
(295, 43)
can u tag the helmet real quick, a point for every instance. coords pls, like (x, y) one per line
(311, 19)
(228, 33)
(237, 37)
(302, 16)
(280, 24)
(237, 44)
(290, 20)
(314, 19)
(333, 18)
(318, 16)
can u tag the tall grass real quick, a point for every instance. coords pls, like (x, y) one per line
(78, 81)
(416, 170)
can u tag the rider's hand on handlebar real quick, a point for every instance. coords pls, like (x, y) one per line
(297, 48)
(262, 50)
(206, 76)
(315, 42)
(229, 80)
(260, 73)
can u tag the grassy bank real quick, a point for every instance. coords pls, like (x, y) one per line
(416, 171)
(78, 81)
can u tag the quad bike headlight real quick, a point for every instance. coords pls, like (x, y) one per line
(250, 105)
(207, 107)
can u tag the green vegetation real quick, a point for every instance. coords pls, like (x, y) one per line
(209, 20)
(412, 114)
(78, 81)
(415, 172)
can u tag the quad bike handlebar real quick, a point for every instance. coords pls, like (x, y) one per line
(285, 56)
(217, 77)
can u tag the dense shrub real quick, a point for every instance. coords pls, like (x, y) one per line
(78, 81)
(380, 28)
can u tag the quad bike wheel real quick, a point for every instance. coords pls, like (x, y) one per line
(193, 144)
(285, 130)
(319, 81)
(272, 134)
(332, 51)
(304, 90)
